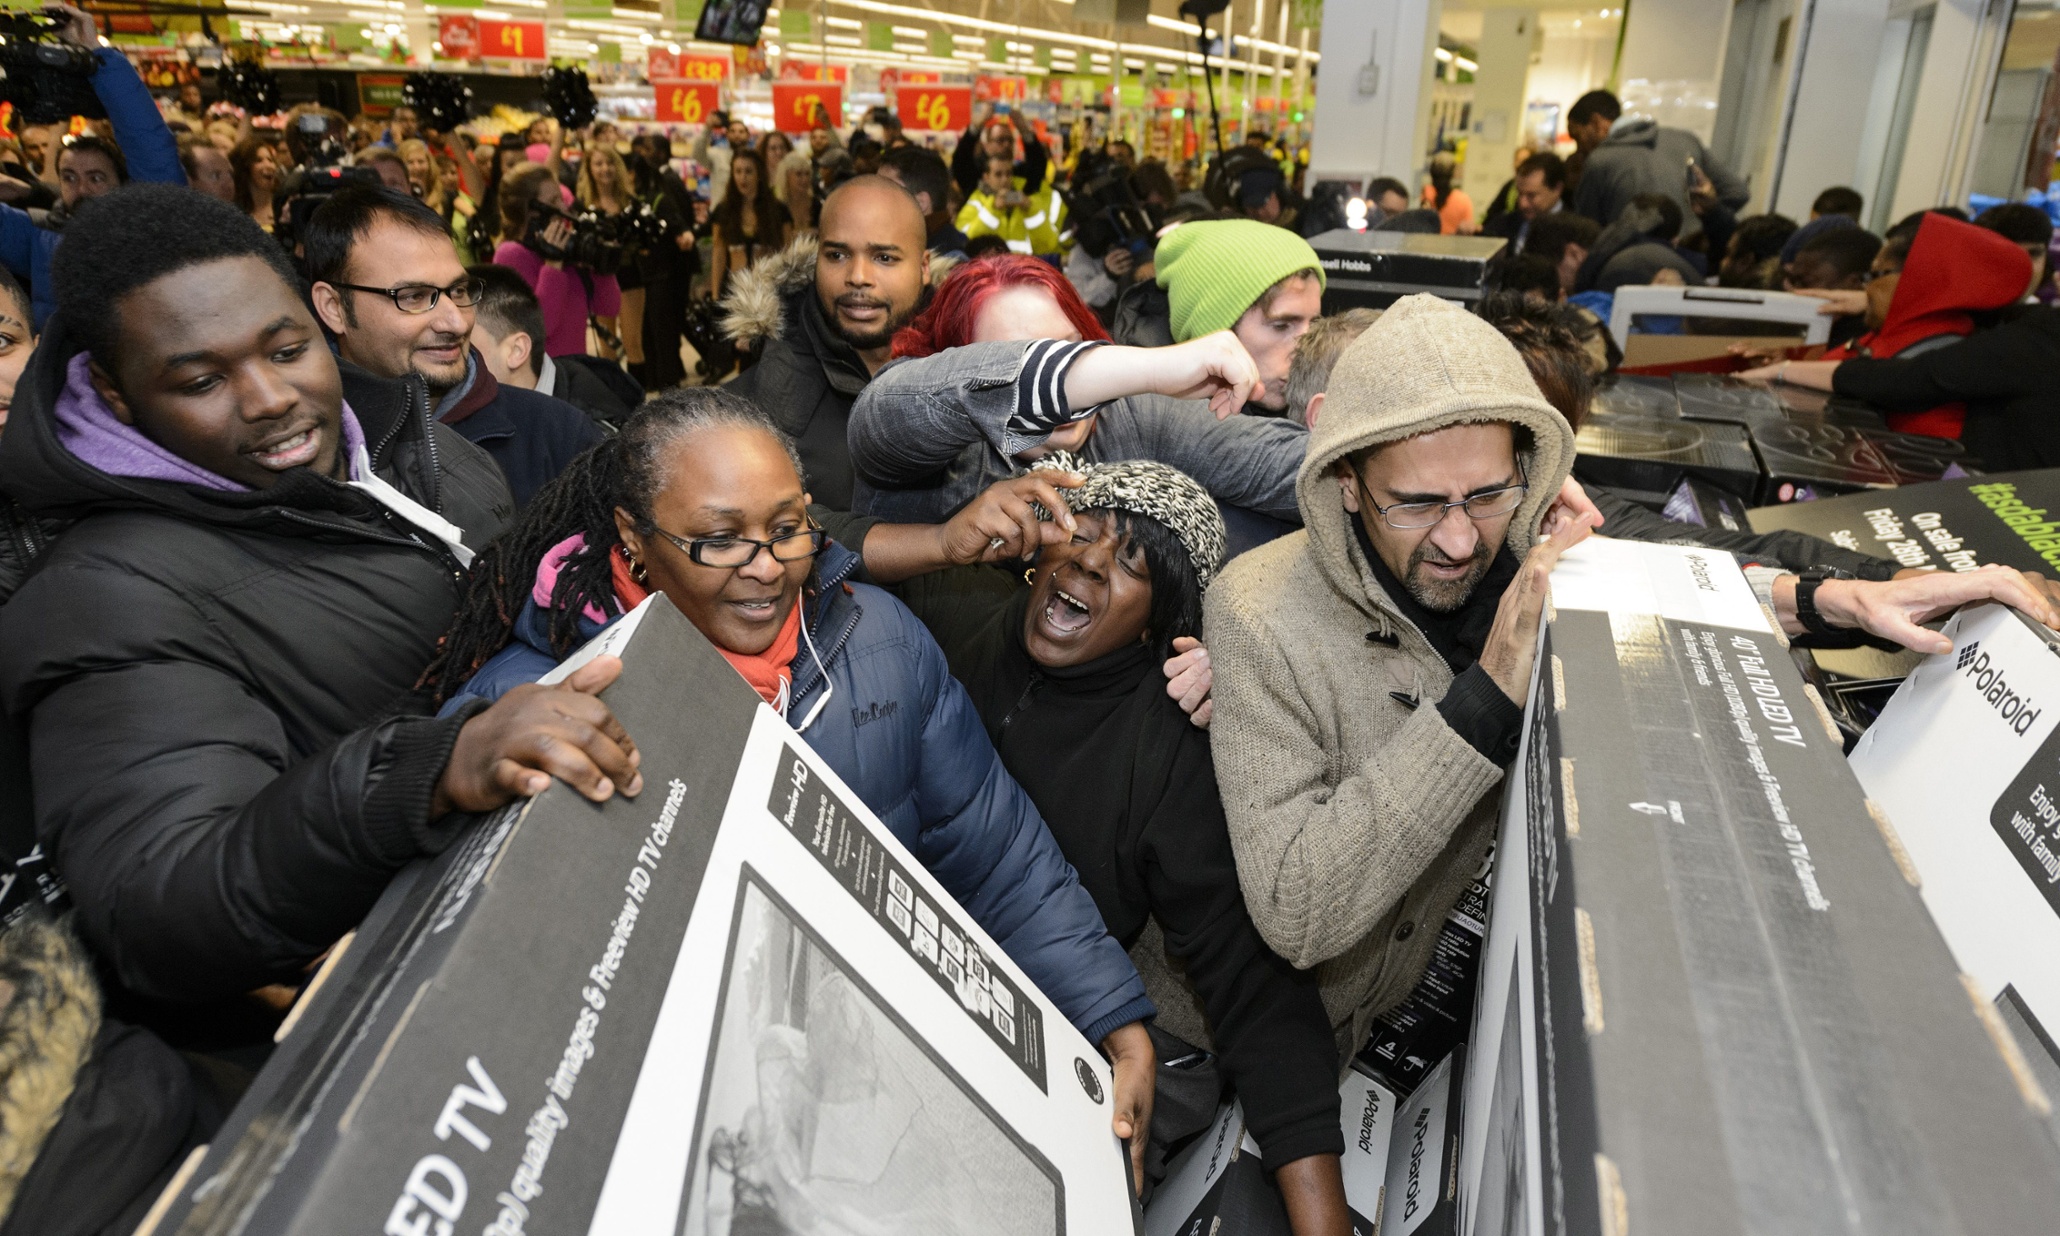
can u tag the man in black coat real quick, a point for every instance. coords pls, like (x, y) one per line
(993, 134)
(214, 663)
(389, 287)
(822, 316)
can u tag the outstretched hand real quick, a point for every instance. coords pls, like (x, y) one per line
(1214, 367)
(534, 733)
(1897, 608)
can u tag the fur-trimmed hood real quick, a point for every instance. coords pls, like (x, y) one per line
(755, 307)
(46, 1036)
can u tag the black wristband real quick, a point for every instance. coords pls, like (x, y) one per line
(1806, 611)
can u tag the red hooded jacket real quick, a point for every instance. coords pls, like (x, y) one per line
(1954, 271)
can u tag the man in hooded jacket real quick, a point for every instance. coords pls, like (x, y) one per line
(214, 662)
(1641, 156)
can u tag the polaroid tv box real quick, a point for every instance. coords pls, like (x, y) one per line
(1712, 1003)
(1983, 841)
(734, 1003)
(1372, 270)
(1409, 1040)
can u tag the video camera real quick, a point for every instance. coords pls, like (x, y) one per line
(315, 142)
(596, 243)
(46, 79)
(1109, 214)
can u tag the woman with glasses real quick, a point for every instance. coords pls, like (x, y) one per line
(701, 498)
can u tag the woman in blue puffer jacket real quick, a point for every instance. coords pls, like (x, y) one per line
(701, 498)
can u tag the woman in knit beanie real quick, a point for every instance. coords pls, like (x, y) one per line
(1064, 672)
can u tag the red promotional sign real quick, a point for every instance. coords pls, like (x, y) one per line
(511, 40)
(934, 107)
(893, 79)
(792, 70)
(695, 68)
(685, 102)
(660, 65)
(1000, 89)
(459, 34)
(796, 105)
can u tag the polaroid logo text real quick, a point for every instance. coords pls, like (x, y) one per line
(2015, 710)
(1368, 1120)
(1414, 1195)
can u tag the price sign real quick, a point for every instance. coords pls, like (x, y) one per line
(1001, 89)
(935, 107)
(685, 102)
(459, 34)
(792, 70)
(797, 104)
(511, 40)
(661, 65)
(703, 68)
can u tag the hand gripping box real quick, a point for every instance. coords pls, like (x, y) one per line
(1964, 767)
(732, 1004)
(1711, 1002)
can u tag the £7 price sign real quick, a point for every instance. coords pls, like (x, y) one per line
(511, 40)
(684, 102)
(796, 105)
(935, 107)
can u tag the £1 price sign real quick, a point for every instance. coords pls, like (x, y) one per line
(511, 40)
(935, 107)
(684, 102)
(797, 104)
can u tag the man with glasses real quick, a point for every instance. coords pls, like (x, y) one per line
(389, 286)
(1371, 669)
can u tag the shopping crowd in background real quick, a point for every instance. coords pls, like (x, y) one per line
(1206, 618)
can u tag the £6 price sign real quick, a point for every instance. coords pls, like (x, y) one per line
(935, 107)
(511, 40)
(796, 105)
(685, 102)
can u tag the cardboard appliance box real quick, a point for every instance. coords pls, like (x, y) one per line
(1711, 1001)
(1373, 270)
(734, 1003)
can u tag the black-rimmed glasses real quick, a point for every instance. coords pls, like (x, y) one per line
(740, 551)
(1491, 504)
(422, 297)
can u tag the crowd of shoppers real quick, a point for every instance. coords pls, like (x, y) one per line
(300, 496)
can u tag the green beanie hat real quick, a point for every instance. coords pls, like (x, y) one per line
(1213, 269)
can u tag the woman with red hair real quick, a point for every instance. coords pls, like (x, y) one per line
(1017, 294)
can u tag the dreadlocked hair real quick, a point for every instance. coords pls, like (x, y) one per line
(628, 472)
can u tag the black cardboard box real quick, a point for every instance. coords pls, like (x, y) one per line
(2009, 517)
(731, 1004)
(1711, 1002)
(1650, 455)
(1372, 270)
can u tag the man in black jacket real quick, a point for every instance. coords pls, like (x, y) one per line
(823, 314)
(390, 288)
(214, 664)
(992, 135)
(508, 335)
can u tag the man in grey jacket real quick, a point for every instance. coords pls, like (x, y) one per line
(1640, 156)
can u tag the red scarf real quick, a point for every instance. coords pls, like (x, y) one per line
(770, 673)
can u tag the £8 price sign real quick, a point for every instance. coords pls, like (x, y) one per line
(684, 102)
(935, 107)
(511, 40)
(796, 105)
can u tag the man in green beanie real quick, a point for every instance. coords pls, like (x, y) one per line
(1260, 282)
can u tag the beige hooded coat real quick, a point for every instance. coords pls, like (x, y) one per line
(1357, 814)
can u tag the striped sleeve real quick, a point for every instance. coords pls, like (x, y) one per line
(1041, 405)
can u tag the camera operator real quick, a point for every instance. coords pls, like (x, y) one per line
(573, 275)
(87, 166)
(1116, 231)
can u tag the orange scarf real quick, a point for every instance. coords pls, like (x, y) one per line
(770, 673)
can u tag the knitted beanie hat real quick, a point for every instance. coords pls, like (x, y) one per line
(1213, 269)
(1155, 491)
